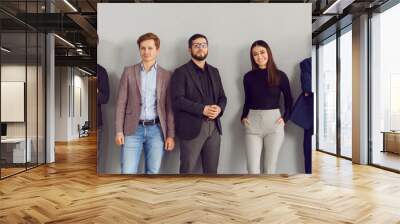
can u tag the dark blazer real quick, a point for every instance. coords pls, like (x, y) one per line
(103, 93)
(129, 101)
(187, 100)
(305, 75)
(303, 110)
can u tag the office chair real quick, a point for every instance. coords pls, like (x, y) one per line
(84, 130)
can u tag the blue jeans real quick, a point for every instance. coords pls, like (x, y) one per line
(149, 138)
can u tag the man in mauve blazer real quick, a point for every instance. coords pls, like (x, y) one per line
(199, 101)
(144, 115)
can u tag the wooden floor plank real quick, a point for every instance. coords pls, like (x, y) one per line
(70, 191)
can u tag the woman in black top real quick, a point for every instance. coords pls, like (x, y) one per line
(261, 116)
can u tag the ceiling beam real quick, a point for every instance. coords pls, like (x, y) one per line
(86, 26)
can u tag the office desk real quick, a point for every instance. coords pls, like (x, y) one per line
(13, 150)
(391, 141)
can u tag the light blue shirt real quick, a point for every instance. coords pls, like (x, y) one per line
(148, 90)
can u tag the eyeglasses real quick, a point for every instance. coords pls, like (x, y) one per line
(200, 45)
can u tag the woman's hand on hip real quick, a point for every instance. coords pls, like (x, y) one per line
(280, 121)
(245, 121)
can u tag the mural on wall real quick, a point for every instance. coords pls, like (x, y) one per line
(201, 92)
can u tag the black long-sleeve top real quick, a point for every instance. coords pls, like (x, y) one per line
(260, 96)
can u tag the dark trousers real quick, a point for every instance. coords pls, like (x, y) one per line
(101, 155)
(206, 144)
(307, 145)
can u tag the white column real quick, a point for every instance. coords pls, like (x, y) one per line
(50, 110)
(360, 90)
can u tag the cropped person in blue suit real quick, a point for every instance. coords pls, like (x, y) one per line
(303, 111)
(103, 95)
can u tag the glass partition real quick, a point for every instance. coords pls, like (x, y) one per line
(327, 96)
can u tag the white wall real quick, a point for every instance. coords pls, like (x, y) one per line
(230, 28)
(80, 84)
(33, 126)
(61, 103)
(12, 73)
(17, 73)
(67, 81)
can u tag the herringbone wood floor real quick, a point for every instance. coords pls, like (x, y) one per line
(69, 191)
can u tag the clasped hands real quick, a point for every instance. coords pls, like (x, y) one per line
(211, 111)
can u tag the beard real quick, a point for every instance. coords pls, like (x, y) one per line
(198, 57)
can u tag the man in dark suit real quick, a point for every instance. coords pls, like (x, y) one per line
(198, 100)
(303, 112)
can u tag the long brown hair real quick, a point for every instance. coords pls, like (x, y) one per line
(273, 73)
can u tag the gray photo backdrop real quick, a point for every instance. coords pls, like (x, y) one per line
(231, 29)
